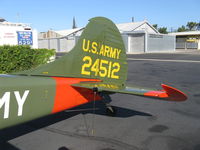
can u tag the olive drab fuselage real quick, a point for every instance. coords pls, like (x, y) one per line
(24, 98)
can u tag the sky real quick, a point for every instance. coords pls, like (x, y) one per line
(44, 15)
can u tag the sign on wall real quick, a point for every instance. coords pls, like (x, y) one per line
(25, 38)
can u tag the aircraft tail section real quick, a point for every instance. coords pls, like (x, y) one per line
(98, 54)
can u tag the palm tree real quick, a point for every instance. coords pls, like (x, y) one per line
(191, 25)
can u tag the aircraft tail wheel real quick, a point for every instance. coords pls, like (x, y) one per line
(111, 111)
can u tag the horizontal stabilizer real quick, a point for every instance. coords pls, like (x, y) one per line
(168, 93)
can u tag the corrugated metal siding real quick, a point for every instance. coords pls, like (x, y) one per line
(136, 43)
(66, 45)
(60, 45)
(125, 39)
(54, 44)
(156, 42)
(43, 43)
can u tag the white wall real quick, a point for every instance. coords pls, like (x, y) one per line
(145, 27)
(35, 38)
(8, 35)
(160, 43)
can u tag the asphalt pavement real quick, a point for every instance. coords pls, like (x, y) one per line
(140, 123)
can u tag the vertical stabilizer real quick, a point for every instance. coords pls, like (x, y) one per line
(99, 54)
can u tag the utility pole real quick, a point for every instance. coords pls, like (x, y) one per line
(132, 19)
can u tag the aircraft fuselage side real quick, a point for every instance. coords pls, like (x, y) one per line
(24, 98)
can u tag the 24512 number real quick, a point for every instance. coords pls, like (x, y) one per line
(100, 67)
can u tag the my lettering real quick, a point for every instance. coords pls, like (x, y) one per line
(20, 100)
(5, 101)
(118, 53)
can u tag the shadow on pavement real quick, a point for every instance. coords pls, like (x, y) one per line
(63, 148)
(19, 130)
(7, 146)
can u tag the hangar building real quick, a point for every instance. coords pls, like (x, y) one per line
(17, 34)
(139, 37)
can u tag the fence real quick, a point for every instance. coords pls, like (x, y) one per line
(134, 43)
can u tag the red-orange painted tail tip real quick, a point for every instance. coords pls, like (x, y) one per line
(168, 93)
(174, 94)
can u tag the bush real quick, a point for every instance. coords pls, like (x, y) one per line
(19, 58)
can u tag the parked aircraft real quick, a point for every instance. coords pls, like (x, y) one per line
(95, 68)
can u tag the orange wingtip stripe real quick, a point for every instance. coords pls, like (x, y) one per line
(159, 94)
(168, 93)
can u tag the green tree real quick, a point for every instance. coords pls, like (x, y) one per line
(182, 29)
(155, 26)
(191, 25)
(163, 30)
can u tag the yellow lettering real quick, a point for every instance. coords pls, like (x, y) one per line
(102, 50)
(118, 53)
(94, 47)
(87, 64)
(95, 67)
(106, 51)
(113, 52)
(109, 69)
(103, 69)
(45, 72)
(85, 46)
(116, 69)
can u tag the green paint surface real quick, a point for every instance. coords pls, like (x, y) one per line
(39, 101)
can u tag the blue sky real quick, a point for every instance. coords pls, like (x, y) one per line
(57, 15)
